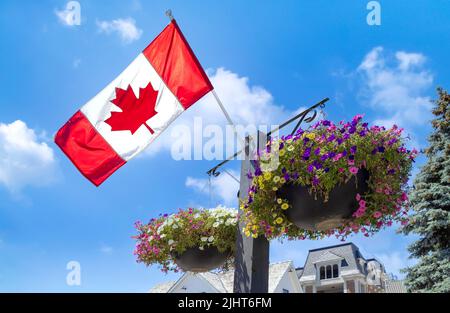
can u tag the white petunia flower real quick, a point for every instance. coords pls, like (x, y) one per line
(211, 238)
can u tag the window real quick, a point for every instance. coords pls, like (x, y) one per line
(335, 271)
(329, 271)
(344, 263)
(322, 272)
(285, 291)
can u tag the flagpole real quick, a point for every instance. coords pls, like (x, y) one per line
(216, 97)
(169, 15)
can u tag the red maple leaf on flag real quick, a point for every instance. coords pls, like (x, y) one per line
(135, 111)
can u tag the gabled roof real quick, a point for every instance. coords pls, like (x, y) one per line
(328, 257)
(276, 272)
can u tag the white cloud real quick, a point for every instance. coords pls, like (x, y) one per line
(125, 28)
(25, 159)
(70, 16)
(395, 261)
(106, 249)
(246, 104)
(395, 86)
(223, 186)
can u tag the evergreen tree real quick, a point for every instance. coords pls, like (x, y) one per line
(430, 201)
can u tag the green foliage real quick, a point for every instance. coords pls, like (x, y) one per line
(321, 158)
(430, 200)
(162, 238)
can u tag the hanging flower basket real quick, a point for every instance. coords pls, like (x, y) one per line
(313, 213)
(196, 240)
(331, 179)
(201, 260)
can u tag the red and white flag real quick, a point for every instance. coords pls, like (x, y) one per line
(125, 117)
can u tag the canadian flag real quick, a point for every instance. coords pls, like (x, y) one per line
(125, 117)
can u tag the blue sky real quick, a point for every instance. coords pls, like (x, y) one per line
(273, 58)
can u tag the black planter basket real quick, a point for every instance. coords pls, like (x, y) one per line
(196, 260)
(313, 214)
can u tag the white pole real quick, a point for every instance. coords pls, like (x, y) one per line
(227, 116)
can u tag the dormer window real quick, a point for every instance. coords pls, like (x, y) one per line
(329, 271)
(344, 263)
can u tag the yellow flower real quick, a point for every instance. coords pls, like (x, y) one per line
(311, 136)
(274, 188)
(276, 179)
(282, 152)
(279, 220)
(267, 175)
(291, 148)
(279, 201)
(285, 206)
(247, 233)
(274, 215)
(282, 180)
(255, 227)
(254, 235)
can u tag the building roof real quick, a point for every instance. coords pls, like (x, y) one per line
(395, 286)
(347, 251)
(224, 281)
(328, 256)
(162, 287)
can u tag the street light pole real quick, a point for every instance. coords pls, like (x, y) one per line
(251, 273)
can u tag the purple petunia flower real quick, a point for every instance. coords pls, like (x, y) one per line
(392, 141)
(326, 123)
(352, 130)
(324, 157)
(381, 149)
(331, 138)
(353, 149)
(315, 181)
(374, 151)
(258, 172)
(317, 151)
(317, 164)
(306, 154)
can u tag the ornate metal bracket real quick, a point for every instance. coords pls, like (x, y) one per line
(307, 115)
